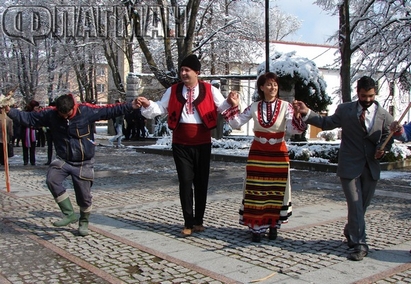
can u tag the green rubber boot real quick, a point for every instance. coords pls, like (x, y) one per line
(68, 211)
(83, 223)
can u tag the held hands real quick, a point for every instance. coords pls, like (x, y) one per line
(299, 108)
(233, 98)
(142, 102)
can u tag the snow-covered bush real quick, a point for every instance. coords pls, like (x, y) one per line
(161, 129)
(320, 152)
(398, 152)
(299, 153)
(227, 129)
(330, 135)
(230, 143)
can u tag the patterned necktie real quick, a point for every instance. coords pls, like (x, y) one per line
(362, 119)
(190, 99)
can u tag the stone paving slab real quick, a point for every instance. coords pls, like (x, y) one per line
(137, 218)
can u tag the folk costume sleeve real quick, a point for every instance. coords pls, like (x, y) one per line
(157, 108)
(294, 125)
(235, 119)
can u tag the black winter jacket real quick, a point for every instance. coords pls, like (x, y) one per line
(73, 138)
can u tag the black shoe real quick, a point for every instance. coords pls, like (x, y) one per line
(256, 238)
(272, 233)
(48, 163)
(25, 164)
(357, 255)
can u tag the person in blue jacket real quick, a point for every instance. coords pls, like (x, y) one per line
(401, 132)
(73, 137)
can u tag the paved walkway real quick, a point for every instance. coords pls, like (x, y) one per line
(137, 218)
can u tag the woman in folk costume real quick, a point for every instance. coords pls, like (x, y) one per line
(267, 191)
(29, 137)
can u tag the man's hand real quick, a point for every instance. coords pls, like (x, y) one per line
(395, 126)
(143, 102)
(379, 153)
(300, 107)
(6, 109)
(233, 99)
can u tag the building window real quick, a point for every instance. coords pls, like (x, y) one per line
(101, 71)
(101, 88)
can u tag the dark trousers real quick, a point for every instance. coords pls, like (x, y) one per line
(49, 139)
(130, 130)
(82, 175)
(141, 130)
(193, 169)
(358, 193)
(41, 137)
(32, 151)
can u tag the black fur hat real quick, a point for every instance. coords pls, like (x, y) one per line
(191, 62)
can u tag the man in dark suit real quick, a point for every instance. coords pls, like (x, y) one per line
(365, 125)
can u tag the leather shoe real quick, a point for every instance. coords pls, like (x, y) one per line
(357, 255)
(272, 233)
(198, 228)
(256, 237)
(186, 232)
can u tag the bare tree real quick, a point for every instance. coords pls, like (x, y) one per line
(374, 39)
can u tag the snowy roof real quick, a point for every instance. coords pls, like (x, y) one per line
(322, 55)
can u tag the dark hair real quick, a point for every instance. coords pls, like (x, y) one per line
(31, 105)
(261, 81)
(366, 83)
(65, 103)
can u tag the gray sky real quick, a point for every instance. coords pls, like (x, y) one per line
(317, 25)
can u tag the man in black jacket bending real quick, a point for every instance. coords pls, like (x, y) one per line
(73, 137)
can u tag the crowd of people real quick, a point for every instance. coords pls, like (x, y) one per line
(192, 107)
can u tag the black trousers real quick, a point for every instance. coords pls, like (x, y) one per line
(49, 139)
(32, 151)
(193, 169)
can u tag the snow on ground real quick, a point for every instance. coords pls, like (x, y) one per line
(240, 147)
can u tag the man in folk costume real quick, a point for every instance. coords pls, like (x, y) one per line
(72, 127)
(192, 107)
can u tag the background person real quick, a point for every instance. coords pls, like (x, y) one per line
(118, 123)
(266, 200)
(28, 137)
(365, 125)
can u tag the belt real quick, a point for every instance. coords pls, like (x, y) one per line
(271, 141)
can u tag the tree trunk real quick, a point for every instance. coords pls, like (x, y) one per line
(345, 51)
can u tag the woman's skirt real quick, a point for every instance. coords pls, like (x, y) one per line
(267, 191)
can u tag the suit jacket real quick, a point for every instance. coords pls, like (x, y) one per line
(357, 148)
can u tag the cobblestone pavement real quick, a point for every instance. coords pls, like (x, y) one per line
(137, 218)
